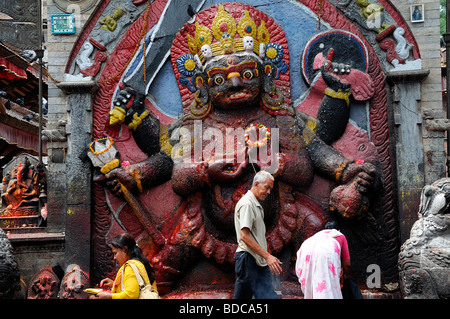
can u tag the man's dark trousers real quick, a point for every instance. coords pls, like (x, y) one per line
(251, 279)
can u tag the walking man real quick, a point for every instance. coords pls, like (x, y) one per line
(253, 263)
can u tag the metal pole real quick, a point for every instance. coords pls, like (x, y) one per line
(40, 104)
(40, 55)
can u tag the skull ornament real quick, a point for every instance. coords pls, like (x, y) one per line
(248, 44)
(206, 51)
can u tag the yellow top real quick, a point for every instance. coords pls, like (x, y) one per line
(131, 290)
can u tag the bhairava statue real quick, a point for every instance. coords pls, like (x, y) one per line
(232, 67)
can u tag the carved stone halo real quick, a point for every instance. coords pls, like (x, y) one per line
(68, 6)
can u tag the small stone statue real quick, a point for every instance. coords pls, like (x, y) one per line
(424, 259)
(73, 284)
(44, 284)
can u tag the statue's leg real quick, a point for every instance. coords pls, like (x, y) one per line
(171, 263)
(178, 253)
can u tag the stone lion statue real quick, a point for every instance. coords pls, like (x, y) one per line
(424, 259)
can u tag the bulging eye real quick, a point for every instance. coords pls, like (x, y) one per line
(247, 74)
(219, 79)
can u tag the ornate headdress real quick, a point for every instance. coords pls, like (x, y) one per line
(228, 33)
(224, 29)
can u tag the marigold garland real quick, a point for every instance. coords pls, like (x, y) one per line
(103, 151)
(257, 143)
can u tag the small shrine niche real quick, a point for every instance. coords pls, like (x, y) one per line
(23, 193)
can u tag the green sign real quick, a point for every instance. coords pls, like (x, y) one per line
(63, 23)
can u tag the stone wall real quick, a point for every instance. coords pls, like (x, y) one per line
(430, 101)
(427, 107)
(428, 38)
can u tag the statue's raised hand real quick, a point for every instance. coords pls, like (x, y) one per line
(366, 175)
(127, 102)
(331, 72)
(119, 178)
(352, 198)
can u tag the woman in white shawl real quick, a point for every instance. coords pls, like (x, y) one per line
(319, 262)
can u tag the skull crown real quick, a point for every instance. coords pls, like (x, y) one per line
(229, 36)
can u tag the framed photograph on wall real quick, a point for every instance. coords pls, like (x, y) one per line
(417, 13)
(63, 23)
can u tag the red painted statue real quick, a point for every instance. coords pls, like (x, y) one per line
(232, 67)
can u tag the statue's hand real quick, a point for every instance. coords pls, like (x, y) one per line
(330, 72)
(119, 176)
(366, 176)
(221, 171)
(352, 198)
(348, 201)
(128, 98)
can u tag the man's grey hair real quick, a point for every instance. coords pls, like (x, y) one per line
(261, 177)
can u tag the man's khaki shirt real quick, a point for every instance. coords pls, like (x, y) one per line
(249, 213)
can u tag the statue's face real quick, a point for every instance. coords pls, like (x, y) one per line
(234, 81)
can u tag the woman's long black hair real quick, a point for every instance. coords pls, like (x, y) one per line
(134, 252)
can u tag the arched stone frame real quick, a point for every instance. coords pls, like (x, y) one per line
(329, 13)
